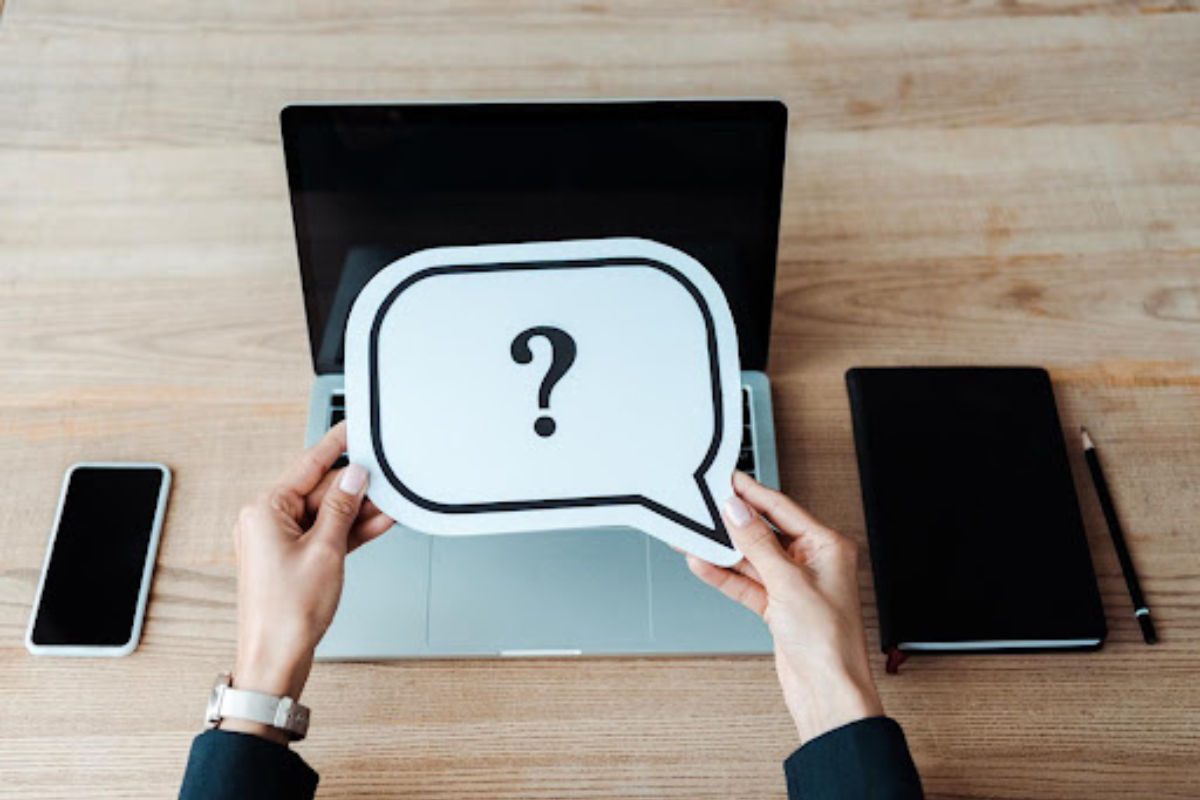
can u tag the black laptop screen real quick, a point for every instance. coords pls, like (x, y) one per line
(370, 184)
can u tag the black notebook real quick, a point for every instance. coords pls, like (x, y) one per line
(976, 538)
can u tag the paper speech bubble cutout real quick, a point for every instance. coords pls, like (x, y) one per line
(545, 386)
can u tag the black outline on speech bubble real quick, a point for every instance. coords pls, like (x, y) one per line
(717, 533)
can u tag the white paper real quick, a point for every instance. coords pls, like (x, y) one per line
(449, 356)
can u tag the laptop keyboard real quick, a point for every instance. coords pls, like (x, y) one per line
(337, 409)
(747, 460)
(337, 413)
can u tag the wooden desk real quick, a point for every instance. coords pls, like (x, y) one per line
(967, 183)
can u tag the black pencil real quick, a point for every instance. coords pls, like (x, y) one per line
(1140, 609)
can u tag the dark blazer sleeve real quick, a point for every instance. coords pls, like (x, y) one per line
(236, 766)
(865, 760)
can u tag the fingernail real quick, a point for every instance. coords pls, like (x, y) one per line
(737, 511)
(353, 479)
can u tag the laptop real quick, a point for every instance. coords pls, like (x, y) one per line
(372, 183)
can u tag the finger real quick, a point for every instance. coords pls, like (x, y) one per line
(305, 475)
(313, 501)
(286, 502)
(339, 510)
(787, 515)
(369, 529)
(746, 568)
(756, 541)
(734, 586)
(366, 531)
(267, 516)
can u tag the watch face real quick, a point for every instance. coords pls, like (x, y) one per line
(212, 714)
(297, 722)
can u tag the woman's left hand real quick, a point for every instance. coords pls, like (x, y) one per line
(292, 544)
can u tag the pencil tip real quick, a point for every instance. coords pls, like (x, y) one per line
(1087, 440)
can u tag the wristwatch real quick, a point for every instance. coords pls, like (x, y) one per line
(283, 713)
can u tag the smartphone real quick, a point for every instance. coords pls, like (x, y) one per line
(91, 598)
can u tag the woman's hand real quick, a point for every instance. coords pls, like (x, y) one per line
(292, 544)
(803, 582)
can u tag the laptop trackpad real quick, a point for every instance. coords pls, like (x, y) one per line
(557, 590)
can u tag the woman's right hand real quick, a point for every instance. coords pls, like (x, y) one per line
(803, 581)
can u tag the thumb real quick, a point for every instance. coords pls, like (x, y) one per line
(339, 509)
(756, 541)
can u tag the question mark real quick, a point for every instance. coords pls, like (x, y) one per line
(562, 349)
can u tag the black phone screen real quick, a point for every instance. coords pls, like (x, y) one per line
(94, 575)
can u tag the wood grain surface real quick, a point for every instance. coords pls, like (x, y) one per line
(968, 183)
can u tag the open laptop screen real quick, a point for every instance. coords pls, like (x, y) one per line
(370, 184)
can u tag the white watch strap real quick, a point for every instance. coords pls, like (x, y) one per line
(278, 712)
